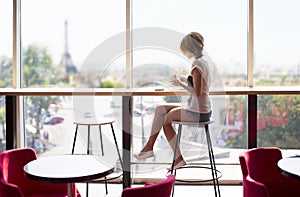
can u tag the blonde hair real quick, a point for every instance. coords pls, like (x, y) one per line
(194, 43)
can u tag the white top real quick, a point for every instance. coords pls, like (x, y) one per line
(201, 104)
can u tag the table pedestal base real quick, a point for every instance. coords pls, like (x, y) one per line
(71, 190)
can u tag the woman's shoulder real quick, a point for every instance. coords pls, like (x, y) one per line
(199, 63)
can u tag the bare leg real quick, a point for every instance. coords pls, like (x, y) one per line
(175, 114)
(158, 122)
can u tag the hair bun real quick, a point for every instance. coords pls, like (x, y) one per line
(194, 43)
(198, 37)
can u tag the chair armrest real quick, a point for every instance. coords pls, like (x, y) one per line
(253, 188)
(7, 189)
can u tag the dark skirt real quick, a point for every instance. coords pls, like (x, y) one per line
(201, 117)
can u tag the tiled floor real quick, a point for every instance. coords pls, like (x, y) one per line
(98, 190)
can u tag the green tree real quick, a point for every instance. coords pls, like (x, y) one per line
(5, 72)
(286, 135)
(240, 140)
(35, 104)
(111, 84)
(38, 68)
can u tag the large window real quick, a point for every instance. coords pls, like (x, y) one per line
(229, 132)
(58, 36)
(157, 57)
(50, 129)
(6, 47)
(277, 43)
(223, 25)
(278, 121)
(62, 46)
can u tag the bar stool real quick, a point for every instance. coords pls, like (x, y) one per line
(216, 174)
(92, 122)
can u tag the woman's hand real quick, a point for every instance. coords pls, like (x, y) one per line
(176, 80)
(183, 79)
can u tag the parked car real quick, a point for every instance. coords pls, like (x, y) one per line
(53, 119)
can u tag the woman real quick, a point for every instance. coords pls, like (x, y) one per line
(199, 106)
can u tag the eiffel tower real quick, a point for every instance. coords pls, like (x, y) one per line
(66, 65)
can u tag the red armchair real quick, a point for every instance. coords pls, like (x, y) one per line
(161, 189)
(262, 177)
(14, 183)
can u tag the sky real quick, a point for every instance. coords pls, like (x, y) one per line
(222, 23)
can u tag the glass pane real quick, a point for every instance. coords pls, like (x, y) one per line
(229, 129)
(223, 25)
(277, 43)
(2, 124)
(58, 38)
(157, 33)
(6, 46)
(278, 121)
(228, 135)
(50, 129)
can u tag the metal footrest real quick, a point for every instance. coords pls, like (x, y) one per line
(218, 173)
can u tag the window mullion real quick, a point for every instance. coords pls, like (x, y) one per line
(250, 44)
(16, 44)
(18, 136)
(128, 44)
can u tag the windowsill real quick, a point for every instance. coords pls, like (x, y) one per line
(265, 90)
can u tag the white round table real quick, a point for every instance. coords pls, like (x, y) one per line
(290, 166)
(68, 169)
